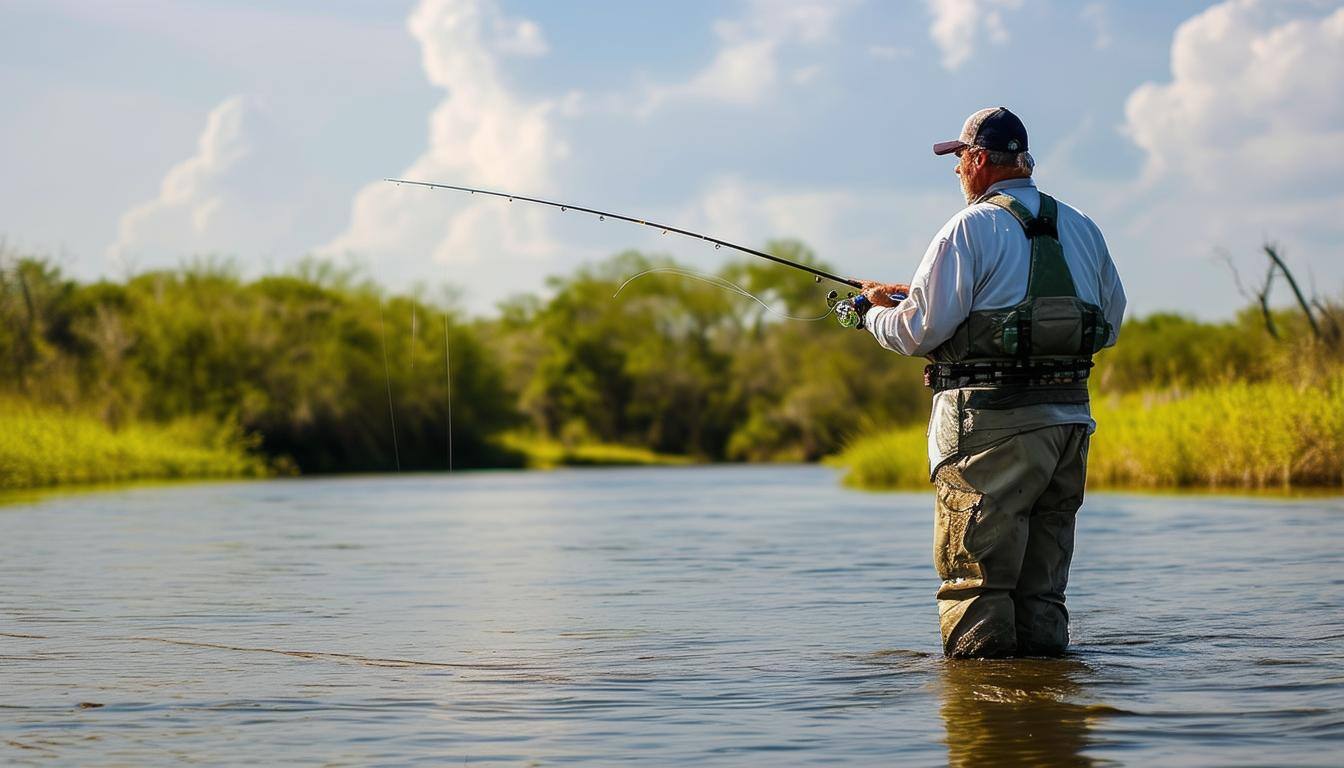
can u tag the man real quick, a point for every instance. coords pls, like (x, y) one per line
(1014, 295)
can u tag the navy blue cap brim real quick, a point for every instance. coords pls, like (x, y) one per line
(948, 147)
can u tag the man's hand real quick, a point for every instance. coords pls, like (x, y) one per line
(880, 293)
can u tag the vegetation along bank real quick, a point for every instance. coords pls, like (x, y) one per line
(198, 372)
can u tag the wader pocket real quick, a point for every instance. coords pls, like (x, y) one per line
(957, 506)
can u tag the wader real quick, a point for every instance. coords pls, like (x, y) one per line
(1011, 482)
(1003, 541)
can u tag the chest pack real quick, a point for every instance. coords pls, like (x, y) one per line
(1046, 340)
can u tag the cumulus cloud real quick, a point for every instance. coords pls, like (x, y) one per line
(520, 37)
(1239, 145)
(242, 193)
(960, 27)
(745, 69)
(1252, 95)
(482, 134)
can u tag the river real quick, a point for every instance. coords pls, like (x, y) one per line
(674, 616)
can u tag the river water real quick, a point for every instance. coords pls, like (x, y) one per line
(671, 616)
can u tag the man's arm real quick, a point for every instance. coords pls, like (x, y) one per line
(1112, 296)
(940, 297)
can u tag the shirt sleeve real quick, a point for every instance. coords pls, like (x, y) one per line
(941, 293)
(1112, 295)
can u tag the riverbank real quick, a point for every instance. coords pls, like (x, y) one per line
(1268, 435)
(45, 446)
(326, 373)
(1237, 435)
(543, 453)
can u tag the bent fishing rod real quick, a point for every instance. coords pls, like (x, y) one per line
(603, 215)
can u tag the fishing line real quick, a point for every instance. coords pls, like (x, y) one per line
(387, 377)
(448, 373)
(724, 284)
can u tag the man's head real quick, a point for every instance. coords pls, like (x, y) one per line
(992, 147)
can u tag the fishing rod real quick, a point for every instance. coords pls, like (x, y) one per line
(602, 216)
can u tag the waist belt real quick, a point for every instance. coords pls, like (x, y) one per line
(1016, 374)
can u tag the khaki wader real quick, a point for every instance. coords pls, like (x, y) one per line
(1003, 540)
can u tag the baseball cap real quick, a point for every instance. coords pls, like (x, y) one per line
(994, 128)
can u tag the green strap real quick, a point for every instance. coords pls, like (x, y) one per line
(1050, 274)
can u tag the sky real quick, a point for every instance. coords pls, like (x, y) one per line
(139, 135)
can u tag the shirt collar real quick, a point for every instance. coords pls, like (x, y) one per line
(1018, 183)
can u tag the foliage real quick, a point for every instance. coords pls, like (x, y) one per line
(1181, 402)
(41, 446)
(1223, 436)
(306, 362)
(1167, 350)
(886, 459)
(299, 369)
(681, 366)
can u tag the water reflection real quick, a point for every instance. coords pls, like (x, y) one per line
(1017, 712)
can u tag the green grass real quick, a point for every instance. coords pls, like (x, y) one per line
(1239, 435)
(542, 453)
(886, 459)
(43, 446)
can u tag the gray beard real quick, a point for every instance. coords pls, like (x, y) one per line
(966, 190)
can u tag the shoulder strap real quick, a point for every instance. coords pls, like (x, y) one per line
(1049, 272)
(1013, 206)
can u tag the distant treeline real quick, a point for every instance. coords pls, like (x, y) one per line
(308, 371)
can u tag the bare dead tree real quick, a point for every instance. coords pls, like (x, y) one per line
(1272, 251)
(1263, 297)
(1314, 310)
(1258, 294)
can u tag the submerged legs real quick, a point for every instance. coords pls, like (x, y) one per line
(1003, 542)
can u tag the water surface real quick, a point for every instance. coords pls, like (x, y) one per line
(670, 616)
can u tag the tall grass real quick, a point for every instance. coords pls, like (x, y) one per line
(1234, 435)
(885, 459)
(45, 446)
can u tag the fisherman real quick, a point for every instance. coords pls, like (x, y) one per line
(1014, 295)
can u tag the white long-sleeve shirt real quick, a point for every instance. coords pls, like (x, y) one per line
(979, 260)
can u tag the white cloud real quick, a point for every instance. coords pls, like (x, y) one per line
(520, 37)
(482, 134)
(960, 27)
(244, 192)
(745, 68)
(1252, 96)
(1098, 17)
(1240, 143)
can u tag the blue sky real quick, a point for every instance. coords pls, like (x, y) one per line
(140, 134)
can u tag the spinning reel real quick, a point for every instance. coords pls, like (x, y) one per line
(850, 310)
